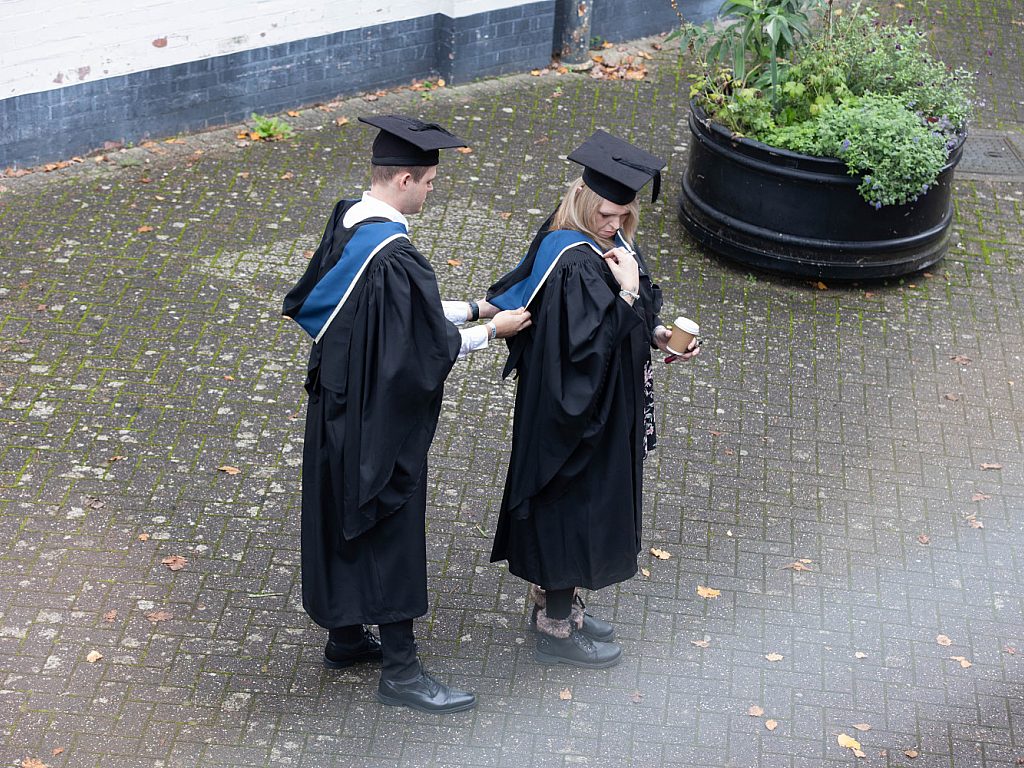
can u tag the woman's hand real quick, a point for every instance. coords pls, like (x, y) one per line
(509, 322)
(661, 337)
(624, 269)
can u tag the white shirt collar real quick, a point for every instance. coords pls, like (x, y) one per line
(370, 208)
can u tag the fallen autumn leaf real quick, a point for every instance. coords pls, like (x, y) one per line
(708, 593)
(795, 566)
(847, 742)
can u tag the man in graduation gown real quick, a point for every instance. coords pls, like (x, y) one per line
(571, 511)
(384, 343)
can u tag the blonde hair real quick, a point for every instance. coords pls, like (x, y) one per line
(578, 211)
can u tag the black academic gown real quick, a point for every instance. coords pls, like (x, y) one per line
(571, 511)
(375, 383)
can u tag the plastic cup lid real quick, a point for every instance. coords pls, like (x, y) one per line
(686, 324)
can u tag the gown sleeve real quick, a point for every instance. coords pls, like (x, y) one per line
(565, 368)
(650, 296)
(389, 358)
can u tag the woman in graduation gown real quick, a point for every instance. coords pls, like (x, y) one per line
(571, 512)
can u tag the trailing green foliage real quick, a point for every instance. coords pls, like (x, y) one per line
(847, 86)
(897, 157)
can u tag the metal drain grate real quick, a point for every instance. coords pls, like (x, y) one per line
(990, 155)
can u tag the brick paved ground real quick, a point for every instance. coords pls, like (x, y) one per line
(832, 426)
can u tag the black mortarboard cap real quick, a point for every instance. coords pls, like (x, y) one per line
(615, 169)
(407, 141)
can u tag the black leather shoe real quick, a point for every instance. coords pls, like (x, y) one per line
(425, 694)
(336, 657)
(595, 629)
(578, 650)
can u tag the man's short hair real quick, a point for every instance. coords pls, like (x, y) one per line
(382, 174)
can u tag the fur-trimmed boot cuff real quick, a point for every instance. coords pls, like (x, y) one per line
(560, 628)
(539, 596)
(576, 615)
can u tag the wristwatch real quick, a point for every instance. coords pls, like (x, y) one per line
(634, 295)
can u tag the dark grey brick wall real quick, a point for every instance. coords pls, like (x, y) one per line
(617, 20)
(499, 42)
(55, 124)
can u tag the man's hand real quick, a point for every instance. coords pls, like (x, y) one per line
(661, 337)
(487, 310)
(509, 322)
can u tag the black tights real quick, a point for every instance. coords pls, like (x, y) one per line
(559, 602)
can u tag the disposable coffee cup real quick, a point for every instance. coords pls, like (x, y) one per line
(684, 330)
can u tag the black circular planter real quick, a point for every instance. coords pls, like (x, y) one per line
(800, 215)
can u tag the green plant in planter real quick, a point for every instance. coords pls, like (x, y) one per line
(893, 59)
(897, 156)
(847, 87)
(754, 40)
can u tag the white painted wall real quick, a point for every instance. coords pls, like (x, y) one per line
(48, 44)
